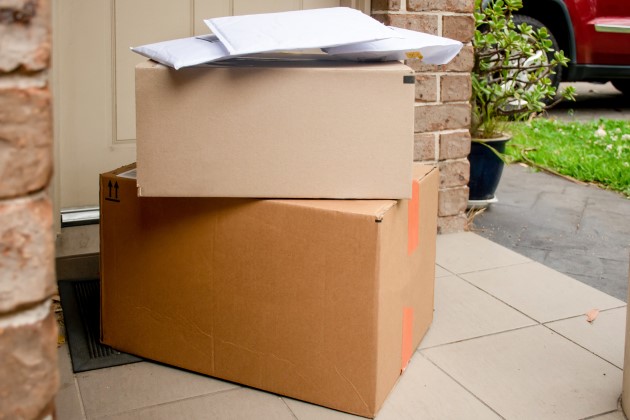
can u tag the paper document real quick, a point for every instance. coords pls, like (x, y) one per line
(184, 52)
(433, 49)
(341, 32)
(301, 29)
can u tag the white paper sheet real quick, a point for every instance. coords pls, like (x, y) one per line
(343, 33)
(184, 52)
(434, 49)
(301, 29)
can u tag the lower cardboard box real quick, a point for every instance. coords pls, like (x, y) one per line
(319, 300)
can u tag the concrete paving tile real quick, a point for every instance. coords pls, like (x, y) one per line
(239, 404)
(467, 252)
(462, 311)
(123, 388)
(540, 292)
(305, 411)
(67, 401)
(441, 272)
(615, 415)
(605, 336)
(425, 392)
(532, 373)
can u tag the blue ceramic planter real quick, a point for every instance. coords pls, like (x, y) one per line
(485, 168)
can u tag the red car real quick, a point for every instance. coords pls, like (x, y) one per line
(594, 35)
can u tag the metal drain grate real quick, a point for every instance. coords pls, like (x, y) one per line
(80, 300)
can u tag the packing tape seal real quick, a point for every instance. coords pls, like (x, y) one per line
(413, 221)
(407, 337)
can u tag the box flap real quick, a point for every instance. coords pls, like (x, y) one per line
(374, 208)
(420, 170)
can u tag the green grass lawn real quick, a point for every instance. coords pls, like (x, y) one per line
(597, 152)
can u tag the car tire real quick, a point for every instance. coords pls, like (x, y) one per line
(622, 85)
(536, 24)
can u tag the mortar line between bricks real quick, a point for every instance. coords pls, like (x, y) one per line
(427, 13)
(428, 104)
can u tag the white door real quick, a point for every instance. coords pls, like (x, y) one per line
(93, 77)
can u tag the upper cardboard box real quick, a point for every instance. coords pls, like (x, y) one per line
(279, 129)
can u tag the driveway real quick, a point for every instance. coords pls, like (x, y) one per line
(593, 101)
(577, 229)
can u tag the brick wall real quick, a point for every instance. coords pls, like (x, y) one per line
(28, 330)
(442, 97)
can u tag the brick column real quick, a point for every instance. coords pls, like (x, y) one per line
(442, 97)
(28, 330)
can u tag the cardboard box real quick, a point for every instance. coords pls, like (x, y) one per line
(320, 300)
(319, 129)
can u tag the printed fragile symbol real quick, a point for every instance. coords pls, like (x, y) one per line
(112, 191)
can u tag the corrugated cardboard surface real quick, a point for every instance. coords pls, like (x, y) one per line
(291, 130)
(305, 298)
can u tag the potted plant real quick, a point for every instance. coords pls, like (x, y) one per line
(510, 81)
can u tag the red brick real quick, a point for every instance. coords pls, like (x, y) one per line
(25, 39)
(414, 22)
(454, 173)
(426, 88)
(25, 141)
(385, 5)
(461, 28)
(27, 252)
(452, 224)
(455, 87)
(29, 367)
(463, 62)
(441, 117)
(424, 147)
(381, 17)
(461, 6)
(452, 201)
(454, 145)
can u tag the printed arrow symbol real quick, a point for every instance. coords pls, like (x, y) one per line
(109, 185)
(116, 188)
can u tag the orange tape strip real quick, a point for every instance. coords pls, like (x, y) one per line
(413, 210)
(407, 336)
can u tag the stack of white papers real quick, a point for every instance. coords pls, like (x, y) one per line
(296, 30)
(433, 49)
(185, 52)
(342, 33)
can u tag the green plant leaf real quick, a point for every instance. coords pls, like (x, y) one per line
(510, 78)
